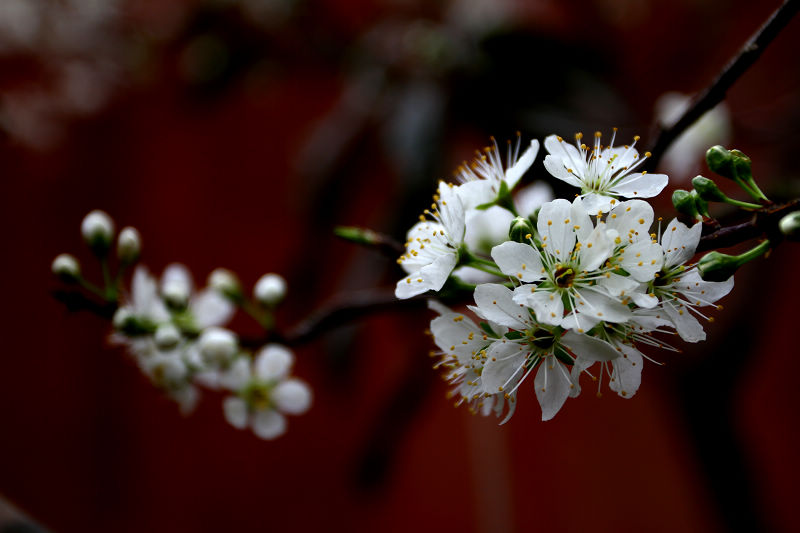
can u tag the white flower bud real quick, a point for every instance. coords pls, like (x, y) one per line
(217, 345)
(97, 229)
(129, 245)
(66, 267)
(226, 283)
(292, 396)
(176, 286)
(175, 293)
(167, 336)
(270, 289)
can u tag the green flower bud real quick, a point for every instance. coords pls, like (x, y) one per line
(67, 268)
(129, 245)
(708, 190)
(700, 204)
(742, 165)
(720, 161)
(520, 230)
(357, 235)
(684, 203)
(790, 226)
(716, 266)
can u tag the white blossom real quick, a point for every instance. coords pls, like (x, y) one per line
(265, 393)
(602, 173)
(481, 180)
(432, 248)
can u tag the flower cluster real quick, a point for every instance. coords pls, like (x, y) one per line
(571, 288)
(176, 336)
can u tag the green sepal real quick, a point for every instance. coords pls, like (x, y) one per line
(488, 330)
(562, 355)
(514, 335)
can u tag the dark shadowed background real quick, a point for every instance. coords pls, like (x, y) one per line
(238, 133)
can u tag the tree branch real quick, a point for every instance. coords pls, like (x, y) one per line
(715, 93)
(764, 222)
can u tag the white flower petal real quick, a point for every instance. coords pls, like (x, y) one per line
(292, 396)
(547, 305)
(557, 167)
(553, 386)
(694, 288)
(210, 308)
(586, 348)
(518, 260)
(269, 424)
(618, 286)
(595, 249)
(555, 228)
(495, 302)
(687, 326)
(569, 154)
(235, 410)
(626, 374)
(631, 219)
(487, 228)
(476, 192)
(642, 260)
(597, 203)
(680, 242)
(594, 303)
(451, 211)
(429, 277)
(505, 360)
(524, 162)
(273, 362)
(532, 197)
(640, 185)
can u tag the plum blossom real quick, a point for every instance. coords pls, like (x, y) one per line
(432, 249)
(265, 392)
(602, 173)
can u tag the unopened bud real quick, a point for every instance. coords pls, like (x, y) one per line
(67, 268)
(226, 283)
(716, 266)
(720, 161)
(520, 229)
(217, 345)
(790, 226)
(176, 286)
(742, 165)
(129, 245)
(167, 336)
(97, 229)
(708, 190)
(270, 289)
(684, 203)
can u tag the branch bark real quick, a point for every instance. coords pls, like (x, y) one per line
(715, 93)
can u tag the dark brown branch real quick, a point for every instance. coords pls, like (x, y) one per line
(715, 93)
(763, 223)
(347, 309)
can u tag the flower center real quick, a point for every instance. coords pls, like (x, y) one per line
(564, 276)
(542, 339)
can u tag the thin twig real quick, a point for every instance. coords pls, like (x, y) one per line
(348, 308)
(763, 223)
(715, 93)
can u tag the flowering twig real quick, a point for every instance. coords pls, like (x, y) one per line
(715, 93)
(763, 222)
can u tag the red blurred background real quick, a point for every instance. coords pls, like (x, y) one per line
(236, 137)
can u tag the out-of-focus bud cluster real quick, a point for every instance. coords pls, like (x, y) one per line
(176, 332)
